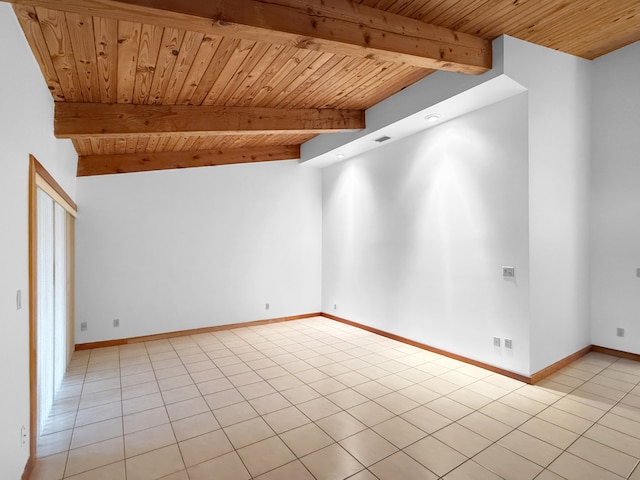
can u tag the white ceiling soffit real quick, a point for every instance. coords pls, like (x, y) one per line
(448, 94)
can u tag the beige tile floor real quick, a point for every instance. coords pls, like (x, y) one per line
(318, 399)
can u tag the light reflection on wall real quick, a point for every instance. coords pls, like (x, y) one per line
(416, 232)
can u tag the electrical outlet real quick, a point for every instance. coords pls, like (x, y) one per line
(116, 322)
(637, 272)
(24, 436)
(508, 272)
(266, 306)
(18, 299)
(508, 343)
(335, 306)
(83, 326)
(496, 341)
(620, 332)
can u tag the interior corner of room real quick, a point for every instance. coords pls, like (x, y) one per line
(537, 172)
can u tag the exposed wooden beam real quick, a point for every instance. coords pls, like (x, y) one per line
(76, 120)
(144, 162)
(338, 26)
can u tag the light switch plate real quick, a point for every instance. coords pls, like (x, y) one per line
(18, 299)
(508, 272)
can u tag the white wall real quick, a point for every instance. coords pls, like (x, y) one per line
(181, 249)
(415, 235)
(551, 320)
(26, 126)
(615, 206)
(559, 143)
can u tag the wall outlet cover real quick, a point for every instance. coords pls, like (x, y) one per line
(620, 332)
(116, 322)
(83, 326)
(508, 272)
(496, 341)
(508, 343)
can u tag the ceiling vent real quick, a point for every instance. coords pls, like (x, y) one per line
(384, 138)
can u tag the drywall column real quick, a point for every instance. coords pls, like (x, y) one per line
(559, 118)
(415, 234)
(615, 202)
(26, 126)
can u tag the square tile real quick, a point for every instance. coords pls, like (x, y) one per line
(306, 439)
(50, 468)
(96, 432)
(396, 403)
(368, 447)
(245, 378)
(145, 419)
(300, 394)
(400, 465)
(286, 419)
(549, 433)
(269, 403)
(179, 394)
(139, 390)
(571, 467)
(340, 425)
(370, 413)
(530, 448)
(435, 455)
(318, 408)
(399, 432)
(94, 456)
(139, 404)
(114, 471)
(214, 386)
(195, 425)
(470, 470)
(187, 408)
(449, 408)
(225, 467)
(235, 413)
(504, 462)
(347, 398)
(265, 455)
(291, 471)
(255, 390)
(462, 439)
(155, 464)
(331, 463)
(614, 439)
(146, 440)
(224, 398)
(205, 447)
(604, 456)
(54, 443)
(248, 432)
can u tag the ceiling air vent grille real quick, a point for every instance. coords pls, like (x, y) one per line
(384, 138)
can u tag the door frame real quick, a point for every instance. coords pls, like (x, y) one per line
(40, 178)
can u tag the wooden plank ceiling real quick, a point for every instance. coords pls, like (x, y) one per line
(157, 84)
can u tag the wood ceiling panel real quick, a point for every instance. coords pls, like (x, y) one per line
(58, 41)
(28, 19)
(119, 58)
(105, 33)
(586, 28)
